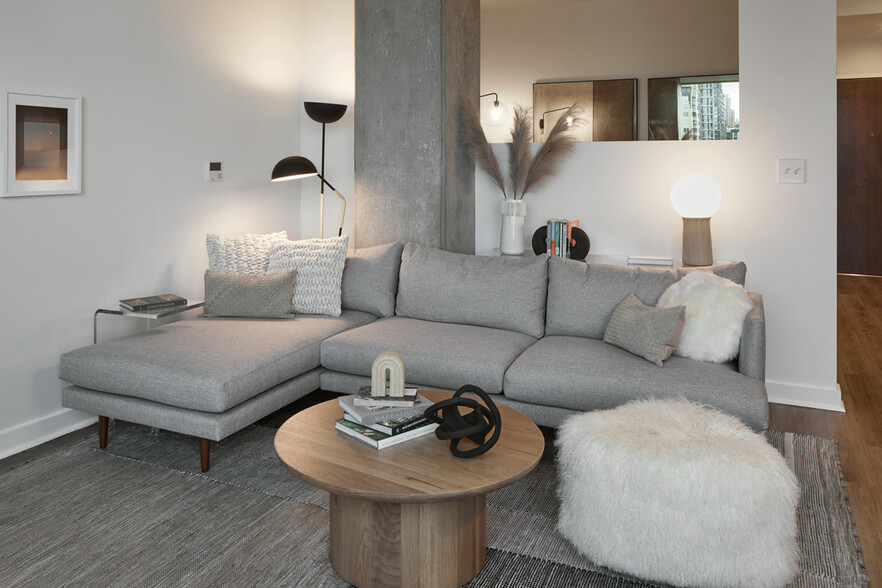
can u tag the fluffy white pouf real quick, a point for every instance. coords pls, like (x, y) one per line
(671, 491)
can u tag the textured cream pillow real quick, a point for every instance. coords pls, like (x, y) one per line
(647, 331)
(715, 311)
(246, 254)
(319, 264)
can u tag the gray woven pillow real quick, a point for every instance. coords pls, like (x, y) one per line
(370, 278)
(246, 254)
(319, 265)
(248, 295)
(647, 331)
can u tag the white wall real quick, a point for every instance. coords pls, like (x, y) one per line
(327, 40)
(859, 58)
(166, 86)
(785, 233)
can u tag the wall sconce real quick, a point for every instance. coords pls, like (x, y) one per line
(295, 168)
(542, 119)
(496, 111)
(325, 113)
(696, 198)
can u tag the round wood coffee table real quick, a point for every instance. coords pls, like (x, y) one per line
(409, 515)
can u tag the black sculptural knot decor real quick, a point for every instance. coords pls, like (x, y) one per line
(475, 425)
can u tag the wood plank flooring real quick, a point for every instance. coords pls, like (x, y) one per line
(859, 430)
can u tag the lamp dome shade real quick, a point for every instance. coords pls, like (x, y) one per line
(293, 168)
(696, 196)
(324, 112)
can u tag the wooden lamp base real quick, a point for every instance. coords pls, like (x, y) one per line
(697, 248)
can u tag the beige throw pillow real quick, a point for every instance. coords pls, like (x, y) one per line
(647, 331)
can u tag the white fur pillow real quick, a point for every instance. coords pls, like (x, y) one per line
(715, 311)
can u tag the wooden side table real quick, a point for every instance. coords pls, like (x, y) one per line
(410, 515)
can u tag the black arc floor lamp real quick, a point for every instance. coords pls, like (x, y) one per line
(296, 167)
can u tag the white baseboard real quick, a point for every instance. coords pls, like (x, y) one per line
(807, 396)
(32, 433)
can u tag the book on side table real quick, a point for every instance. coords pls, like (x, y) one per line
(379, 440)
(367, 415)
(365, 398)
(153, 303)
(381, 426)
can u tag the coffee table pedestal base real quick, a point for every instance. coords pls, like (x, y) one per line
(412, 545)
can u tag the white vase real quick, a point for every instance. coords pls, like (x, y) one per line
(511, 239)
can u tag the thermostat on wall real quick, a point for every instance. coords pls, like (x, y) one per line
(214, 171)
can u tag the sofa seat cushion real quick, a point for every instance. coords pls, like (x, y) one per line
(587, 374)
(205, 364)
(444, 355)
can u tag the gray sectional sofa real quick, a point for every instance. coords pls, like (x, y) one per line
(527, 330)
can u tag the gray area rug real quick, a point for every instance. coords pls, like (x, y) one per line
(140, 513)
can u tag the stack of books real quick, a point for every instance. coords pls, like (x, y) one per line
(560, 237)
(159, 303)
(381, 425)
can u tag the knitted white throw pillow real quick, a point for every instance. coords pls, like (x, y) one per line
(715, 311)
(319, 264)
(245, 254)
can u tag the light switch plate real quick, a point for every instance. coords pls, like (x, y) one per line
(791, 171)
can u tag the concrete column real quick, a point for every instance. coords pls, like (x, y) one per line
(415, 61)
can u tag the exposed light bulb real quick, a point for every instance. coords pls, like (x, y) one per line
(569, 121)
(496, 112)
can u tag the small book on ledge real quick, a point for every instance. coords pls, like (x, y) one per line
(153, 303)
(650, 260)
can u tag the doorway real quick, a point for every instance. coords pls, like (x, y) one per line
(859, 172)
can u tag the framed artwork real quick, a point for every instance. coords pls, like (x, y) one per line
(43, 145)
(609, 113)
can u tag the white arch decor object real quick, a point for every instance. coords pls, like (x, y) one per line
(391, 362)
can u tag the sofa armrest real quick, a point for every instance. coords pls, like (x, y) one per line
(752, 354)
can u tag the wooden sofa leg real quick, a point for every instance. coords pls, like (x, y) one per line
(102, 431)
(204, 449)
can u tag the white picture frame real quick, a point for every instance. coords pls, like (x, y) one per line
(43, 145)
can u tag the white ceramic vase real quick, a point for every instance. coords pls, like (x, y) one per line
(511, 239)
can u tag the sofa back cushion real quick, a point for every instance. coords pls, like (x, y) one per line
(500, 292)
(370, 279)
(582, 297)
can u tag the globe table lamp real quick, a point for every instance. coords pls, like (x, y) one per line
(696, 198)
